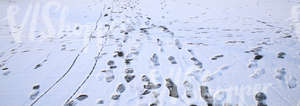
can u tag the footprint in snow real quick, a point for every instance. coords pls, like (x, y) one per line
(113, 67)
(121, 88)
(195, 73)
(257, 73)
(217, 57)
(34, 94)
(37, 66)
(118, 54)
(211, 76)
(291, 82)
(281, 55)
(35, 91)
(100, 101)
(129, 75)
(224, 67)
(129, 78)
(154, 59)
(82, 97)
(191, 52)
(178, 44)
(40, 65)
(145, 92)
(160, 43)
(197, 62)
(151, 85)
(261, 97)
(154, 104)
(5, 71)
(115, 97)
(63, 47)
(13, 51)
(5, 68)
(135, 50)
(206, 95)
(110, 78)
(216, 74)
(145, 78)
(280, 74)
(108, 75)
(129, 70)
(36, 87)
(111, 64)
(127, 61)
(188, 89)
(172, 88)
(25, 51)
(219, 97)
(172, 60)
(258, 57)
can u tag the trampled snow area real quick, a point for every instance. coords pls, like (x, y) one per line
(149, 52)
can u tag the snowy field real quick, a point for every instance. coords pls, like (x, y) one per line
(149, 53)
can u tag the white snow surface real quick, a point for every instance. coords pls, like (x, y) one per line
(225, 36)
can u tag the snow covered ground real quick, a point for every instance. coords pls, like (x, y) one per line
(149, 52)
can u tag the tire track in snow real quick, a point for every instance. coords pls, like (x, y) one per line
(92, 70)
(57, 81)
(74, 61)
(88, 76)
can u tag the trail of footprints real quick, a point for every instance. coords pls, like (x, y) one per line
(211, 100)
(6, 56)
(280, 73)
(150, 86)
(35, 91)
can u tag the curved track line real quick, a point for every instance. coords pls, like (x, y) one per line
(88, 76)
(69, 69)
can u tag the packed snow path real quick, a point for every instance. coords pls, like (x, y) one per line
(149, 53)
